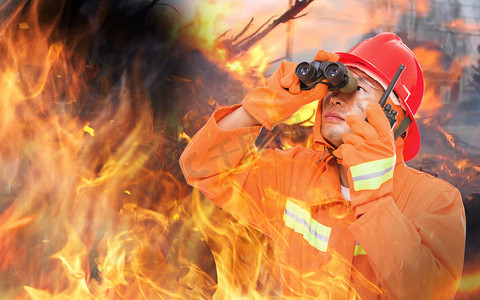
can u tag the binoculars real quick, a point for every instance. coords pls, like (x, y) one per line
(337, 75)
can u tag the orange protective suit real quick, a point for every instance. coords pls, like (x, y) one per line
(409, 246)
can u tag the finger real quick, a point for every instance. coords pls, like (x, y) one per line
(318, 92)
(295, 88)
(326, 56)
(361, 127)
(352, 139)
(333, 57)
(321, 55)
(377, 118)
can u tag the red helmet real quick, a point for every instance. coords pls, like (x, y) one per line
(381, 56)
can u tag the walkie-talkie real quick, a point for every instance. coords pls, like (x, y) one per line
(387, 109)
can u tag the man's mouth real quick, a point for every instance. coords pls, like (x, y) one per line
(333, 116)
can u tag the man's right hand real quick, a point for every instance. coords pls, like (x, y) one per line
(282, 96)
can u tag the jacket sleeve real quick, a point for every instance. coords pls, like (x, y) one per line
(225, 166)
(417, 253)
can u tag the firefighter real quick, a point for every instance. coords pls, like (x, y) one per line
(349, 220)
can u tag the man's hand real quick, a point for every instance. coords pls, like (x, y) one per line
(282, 96)
(369, 155)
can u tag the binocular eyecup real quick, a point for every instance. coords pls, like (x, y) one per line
(336, 73)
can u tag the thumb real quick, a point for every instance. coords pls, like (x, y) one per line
(291, 82)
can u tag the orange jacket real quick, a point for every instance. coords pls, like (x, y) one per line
(409, 246)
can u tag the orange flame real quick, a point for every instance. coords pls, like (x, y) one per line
(463, 25)
(469, 286)
(209, 29)
(70, 223)
(438, 81)
(83, 213)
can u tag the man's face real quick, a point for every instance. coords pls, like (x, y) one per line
(337, 105)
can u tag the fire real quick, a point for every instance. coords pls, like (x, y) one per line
(72, 258)
(422, 6)
(90, 207)
(461, 24)
(87, 210)
(430, 60)
(448, 136)
(183, 135)
(470, 285)
(76, 166)
(210, 32)
(209, 22)
(255, 60)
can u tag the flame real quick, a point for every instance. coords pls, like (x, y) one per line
(469, 285)
(448, 136)
(74, 167)
(72, 257)
(208, 33)
(463, 25)
(422, 6)
(430, 60)
(437, 79)
(183, 135)
(461, 164)
(88, 209)
(209, 22)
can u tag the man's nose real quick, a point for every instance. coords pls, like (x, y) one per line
(339, 98)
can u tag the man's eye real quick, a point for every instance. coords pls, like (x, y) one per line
(359, 88)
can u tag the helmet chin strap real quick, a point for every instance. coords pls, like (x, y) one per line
(331, 152)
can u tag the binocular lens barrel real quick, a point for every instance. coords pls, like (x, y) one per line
(337, 74)
(306, 73)
(332, 70)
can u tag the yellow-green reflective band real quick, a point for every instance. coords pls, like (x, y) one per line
(359, 250)
(302, 222)
(371, 175)
(373, 183)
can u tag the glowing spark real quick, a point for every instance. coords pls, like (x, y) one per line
(23, 26)
(89, 130)
(236, 66)
(183, 135)
(461, 164)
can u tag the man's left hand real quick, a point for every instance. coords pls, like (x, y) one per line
(369, 155)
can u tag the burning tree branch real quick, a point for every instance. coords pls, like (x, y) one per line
(237, 44)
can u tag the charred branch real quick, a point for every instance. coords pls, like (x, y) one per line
(238, 45)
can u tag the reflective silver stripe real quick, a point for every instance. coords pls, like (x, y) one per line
(301, 221)
(372, 175)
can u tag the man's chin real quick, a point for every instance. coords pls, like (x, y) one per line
(334, 141)
(333, 137)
